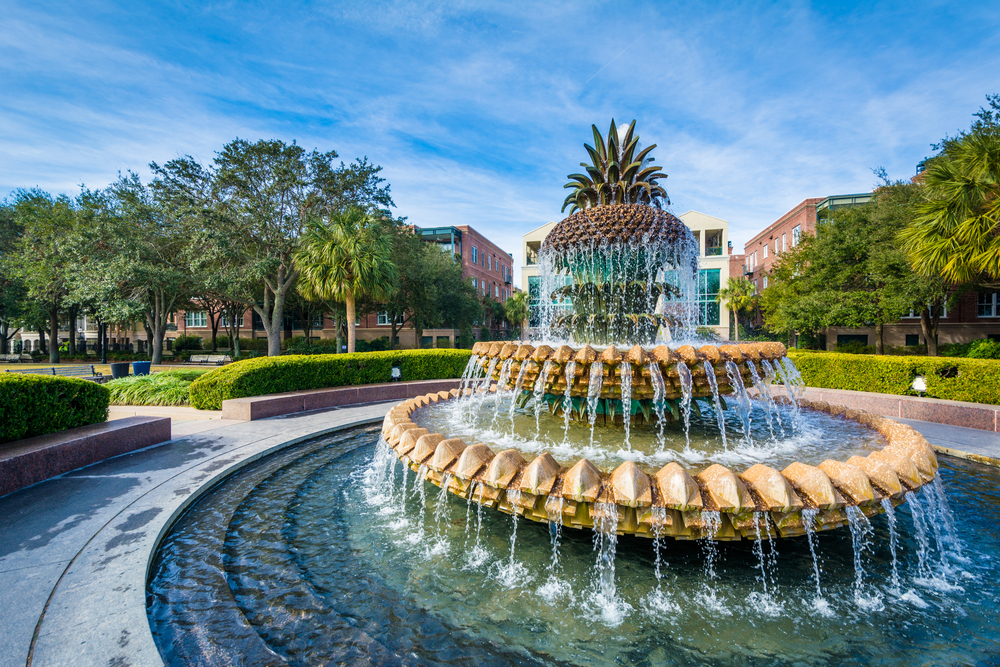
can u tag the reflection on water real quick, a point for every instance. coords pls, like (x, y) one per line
(815, 436)
(309, 557)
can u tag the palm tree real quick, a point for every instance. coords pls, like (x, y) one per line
(956, 232)
(347, 257)
(516, 310)
(741, 296)
(616, 174)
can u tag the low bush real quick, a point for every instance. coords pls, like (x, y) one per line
(39, 404)
(275, 375)
(854, 347)
(187, 343)
(973, 380)
(166, 388)
(984, 349)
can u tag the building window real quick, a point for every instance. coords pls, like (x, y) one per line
(988, 305)
(915, 314)
(765, 251)
(775, 246)
(708, 290)
(496, 290)
(475, 284)
(383, 319)
(475, 255)
(796, 235)
(912, 339)
(199, 319)
(765, 282)
(784, 246)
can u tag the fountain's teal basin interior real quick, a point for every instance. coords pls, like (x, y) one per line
(308, 556)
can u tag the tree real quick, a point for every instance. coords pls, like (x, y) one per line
(616, 173)
(252, 205)
(348, 256)
(13, 290)
(41, 257)
(741, 296)
(956, 232)
(516, 310)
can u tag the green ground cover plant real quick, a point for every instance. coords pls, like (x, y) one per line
(39, 404)
(166, 388)
(951, 378)
(275, 375)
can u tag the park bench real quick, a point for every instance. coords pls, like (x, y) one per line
(208, 360)
(16, 358)
(82, 372)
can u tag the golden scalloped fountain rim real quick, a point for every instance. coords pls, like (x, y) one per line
(670, 503)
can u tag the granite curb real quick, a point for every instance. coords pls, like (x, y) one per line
(32, 460)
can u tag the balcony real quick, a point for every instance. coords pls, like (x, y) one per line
(713, 251)
(747, 273)
(506, 280)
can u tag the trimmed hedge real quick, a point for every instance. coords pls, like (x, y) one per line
(39, 404)
(276, 375)
(951, 378)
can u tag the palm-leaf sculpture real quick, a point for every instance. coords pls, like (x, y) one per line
(616, 173)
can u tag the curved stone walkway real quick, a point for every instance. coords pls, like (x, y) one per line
(75, 550)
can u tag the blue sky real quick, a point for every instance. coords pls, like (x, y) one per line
(477, 112)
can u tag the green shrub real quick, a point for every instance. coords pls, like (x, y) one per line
(984, 349)
(166, 388)
(854, 347)
(187, 343)
(974, 380)
(39, 404)
(275, 375)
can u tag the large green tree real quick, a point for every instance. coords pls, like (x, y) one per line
(344, 257)
(955, 233)
(13, 290)
(41, 257)
(516, 310)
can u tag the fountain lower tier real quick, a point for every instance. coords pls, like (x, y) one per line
(715, 503)
(650, 374)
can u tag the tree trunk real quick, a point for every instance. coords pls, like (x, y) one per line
(72, 331)
(393, 332)
(736, 325)
(54, 335)
(929, 327)
(41, 342)
(878, 339)
(418, 326)
(338, 327)
(157, 322)
(215, 329)
(349, 302)
(3, 338)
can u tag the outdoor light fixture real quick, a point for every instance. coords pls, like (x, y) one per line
(396, 374)
(919, 384)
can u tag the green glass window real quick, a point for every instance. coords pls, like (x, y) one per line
(708, 291)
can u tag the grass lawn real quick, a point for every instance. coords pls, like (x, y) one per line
(100, 368)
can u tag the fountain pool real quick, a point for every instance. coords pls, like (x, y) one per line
(324, 553)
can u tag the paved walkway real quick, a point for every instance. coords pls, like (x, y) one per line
(966, 443)
(184, 420)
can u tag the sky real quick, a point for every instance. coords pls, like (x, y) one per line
(477, 112)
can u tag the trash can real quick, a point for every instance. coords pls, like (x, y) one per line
(119, 370)
(141, 367)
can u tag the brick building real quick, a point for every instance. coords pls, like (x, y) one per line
(973, 316)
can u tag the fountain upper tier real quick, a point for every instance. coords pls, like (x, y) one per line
(620, 273)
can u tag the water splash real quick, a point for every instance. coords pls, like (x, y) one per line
(866, 597)
(594, 395)
(712, 522)
(517, 393)
(720, 417)
(471, 369)
(502, 383)
(819, 602)
(554, 586)
(513, 573)
(764, 601)
(611, 608)
(766, 400)
(769, 376)
(625, 370)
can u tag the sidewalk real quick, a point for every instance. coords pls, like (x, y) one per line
(965, 443)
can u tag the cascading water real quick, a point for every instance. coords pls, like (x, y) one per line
(719, 416)
(539, 392)
(687, 383)
(594, 394)
(611, 608)
(626, 377)
(568, 399)
(501, 388)
(743, 404)
(518, 384)
(764, 393)
(866, 597)
(890, 515)
(470, 371)
(659, 394)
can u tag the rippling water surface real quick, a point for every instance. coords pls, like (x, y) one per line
(317, 556)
